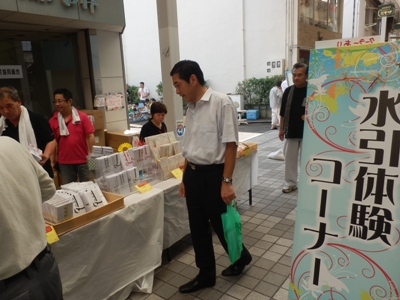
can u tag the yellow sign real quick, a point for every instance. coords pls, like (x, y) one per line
(177, 173)
(51, 234)
(143, 187)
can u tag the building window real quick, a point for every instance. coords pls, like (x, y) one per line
(321, 13)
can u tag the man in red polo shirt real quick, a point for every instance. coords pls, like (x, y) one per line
(74, 134)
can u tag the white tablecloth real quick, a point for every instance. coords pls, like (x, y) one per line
(176, 222)
(245, 175)
(116, 254)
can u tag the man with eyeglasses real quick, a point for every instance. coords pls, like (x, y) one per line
(25, 126)
(74, 133)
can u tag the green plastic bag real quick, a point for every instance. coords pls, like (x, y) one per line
(232, 231)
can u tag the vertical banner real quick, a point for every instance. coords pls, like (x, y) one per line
(346, 243)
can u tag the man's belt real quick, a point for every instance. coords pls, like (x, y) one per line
(25, 271)
(205, 167)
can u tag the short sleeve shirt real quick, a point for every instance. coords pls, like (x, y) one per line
(297, 111)
(42, 131)
(72, 149)
(211, 122)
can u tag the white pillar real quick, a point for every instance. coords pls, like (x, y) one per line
(169, 53)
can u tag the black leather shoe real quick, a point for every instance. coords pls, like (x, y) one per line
(194, 285)
(238, 266)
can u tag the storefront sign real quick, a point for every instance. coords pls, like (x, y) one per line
(10, 72)
(386, 10)
(84, 3)
(347, 234)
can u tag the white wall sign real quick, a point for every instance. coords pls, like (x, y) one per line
(365, 40)
(10, 72)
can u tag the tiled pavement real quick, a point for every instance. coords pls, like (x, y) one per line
(267, 228)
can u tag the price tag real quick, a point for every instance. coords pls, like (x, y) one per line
(177, 173)
(246, 152)
(143, 187)
(51, 234)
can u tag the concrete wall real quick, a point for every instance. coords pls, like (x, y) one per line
(231, 41)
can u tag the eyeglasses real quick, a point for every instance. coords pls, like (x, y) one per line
(59, 101)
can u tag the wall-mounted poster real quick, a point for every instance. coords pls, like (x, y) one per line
(114, 101)
(346, 243)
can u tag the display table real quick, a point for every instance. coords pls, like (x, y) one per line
(116, 254)
(176, 222)
(245, 176)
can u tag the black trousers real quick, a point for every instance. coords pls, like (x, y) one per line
(205, 206)
(39, 281)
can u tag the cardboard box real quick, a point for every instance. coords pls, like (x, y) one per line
(115, 202)
(97, 117)
(100, 137)
(116, 138)
(245, 149)
(253, 114)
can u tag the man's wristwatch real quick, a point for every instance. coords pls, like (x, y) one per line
(227, 180)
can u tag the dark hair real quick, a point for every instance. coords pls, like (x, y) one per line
(158, 107)
(278, 83)
(66, 93)
(187, 68)
(300, 65)
(9, 92)
(141, 82)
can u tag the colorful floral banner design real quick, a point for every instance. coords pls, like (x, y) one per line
(346, 242)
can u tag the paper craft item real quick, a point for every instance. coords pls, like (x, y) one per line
(165, 169)
(177, 145)
(171, 136)
(126, 160)
(137, 155)
(57, 209)
(133, 177)
(161, 139)
(91, 199)
(78, 207)
(118, 183)
(150, 141)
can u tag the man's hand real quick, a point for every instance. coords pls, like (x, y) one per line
(182, 190)
(44, 159)
(281, 134)
(227, 192)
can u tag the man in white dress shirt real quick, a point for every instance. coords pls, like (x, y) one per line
(27, 266)
(209, 147)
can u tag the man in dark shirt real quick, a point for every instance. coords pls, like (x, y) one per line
(292, 123)
(13, 121)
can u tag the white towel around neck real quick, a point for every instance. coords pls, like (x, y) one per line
(61, 123)
(25, 130)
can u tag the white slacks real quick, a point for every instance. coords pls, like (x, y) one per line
(292, 150)
(275, 116)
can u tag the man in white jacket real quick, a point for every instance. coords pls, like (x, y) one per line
(27, 266)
